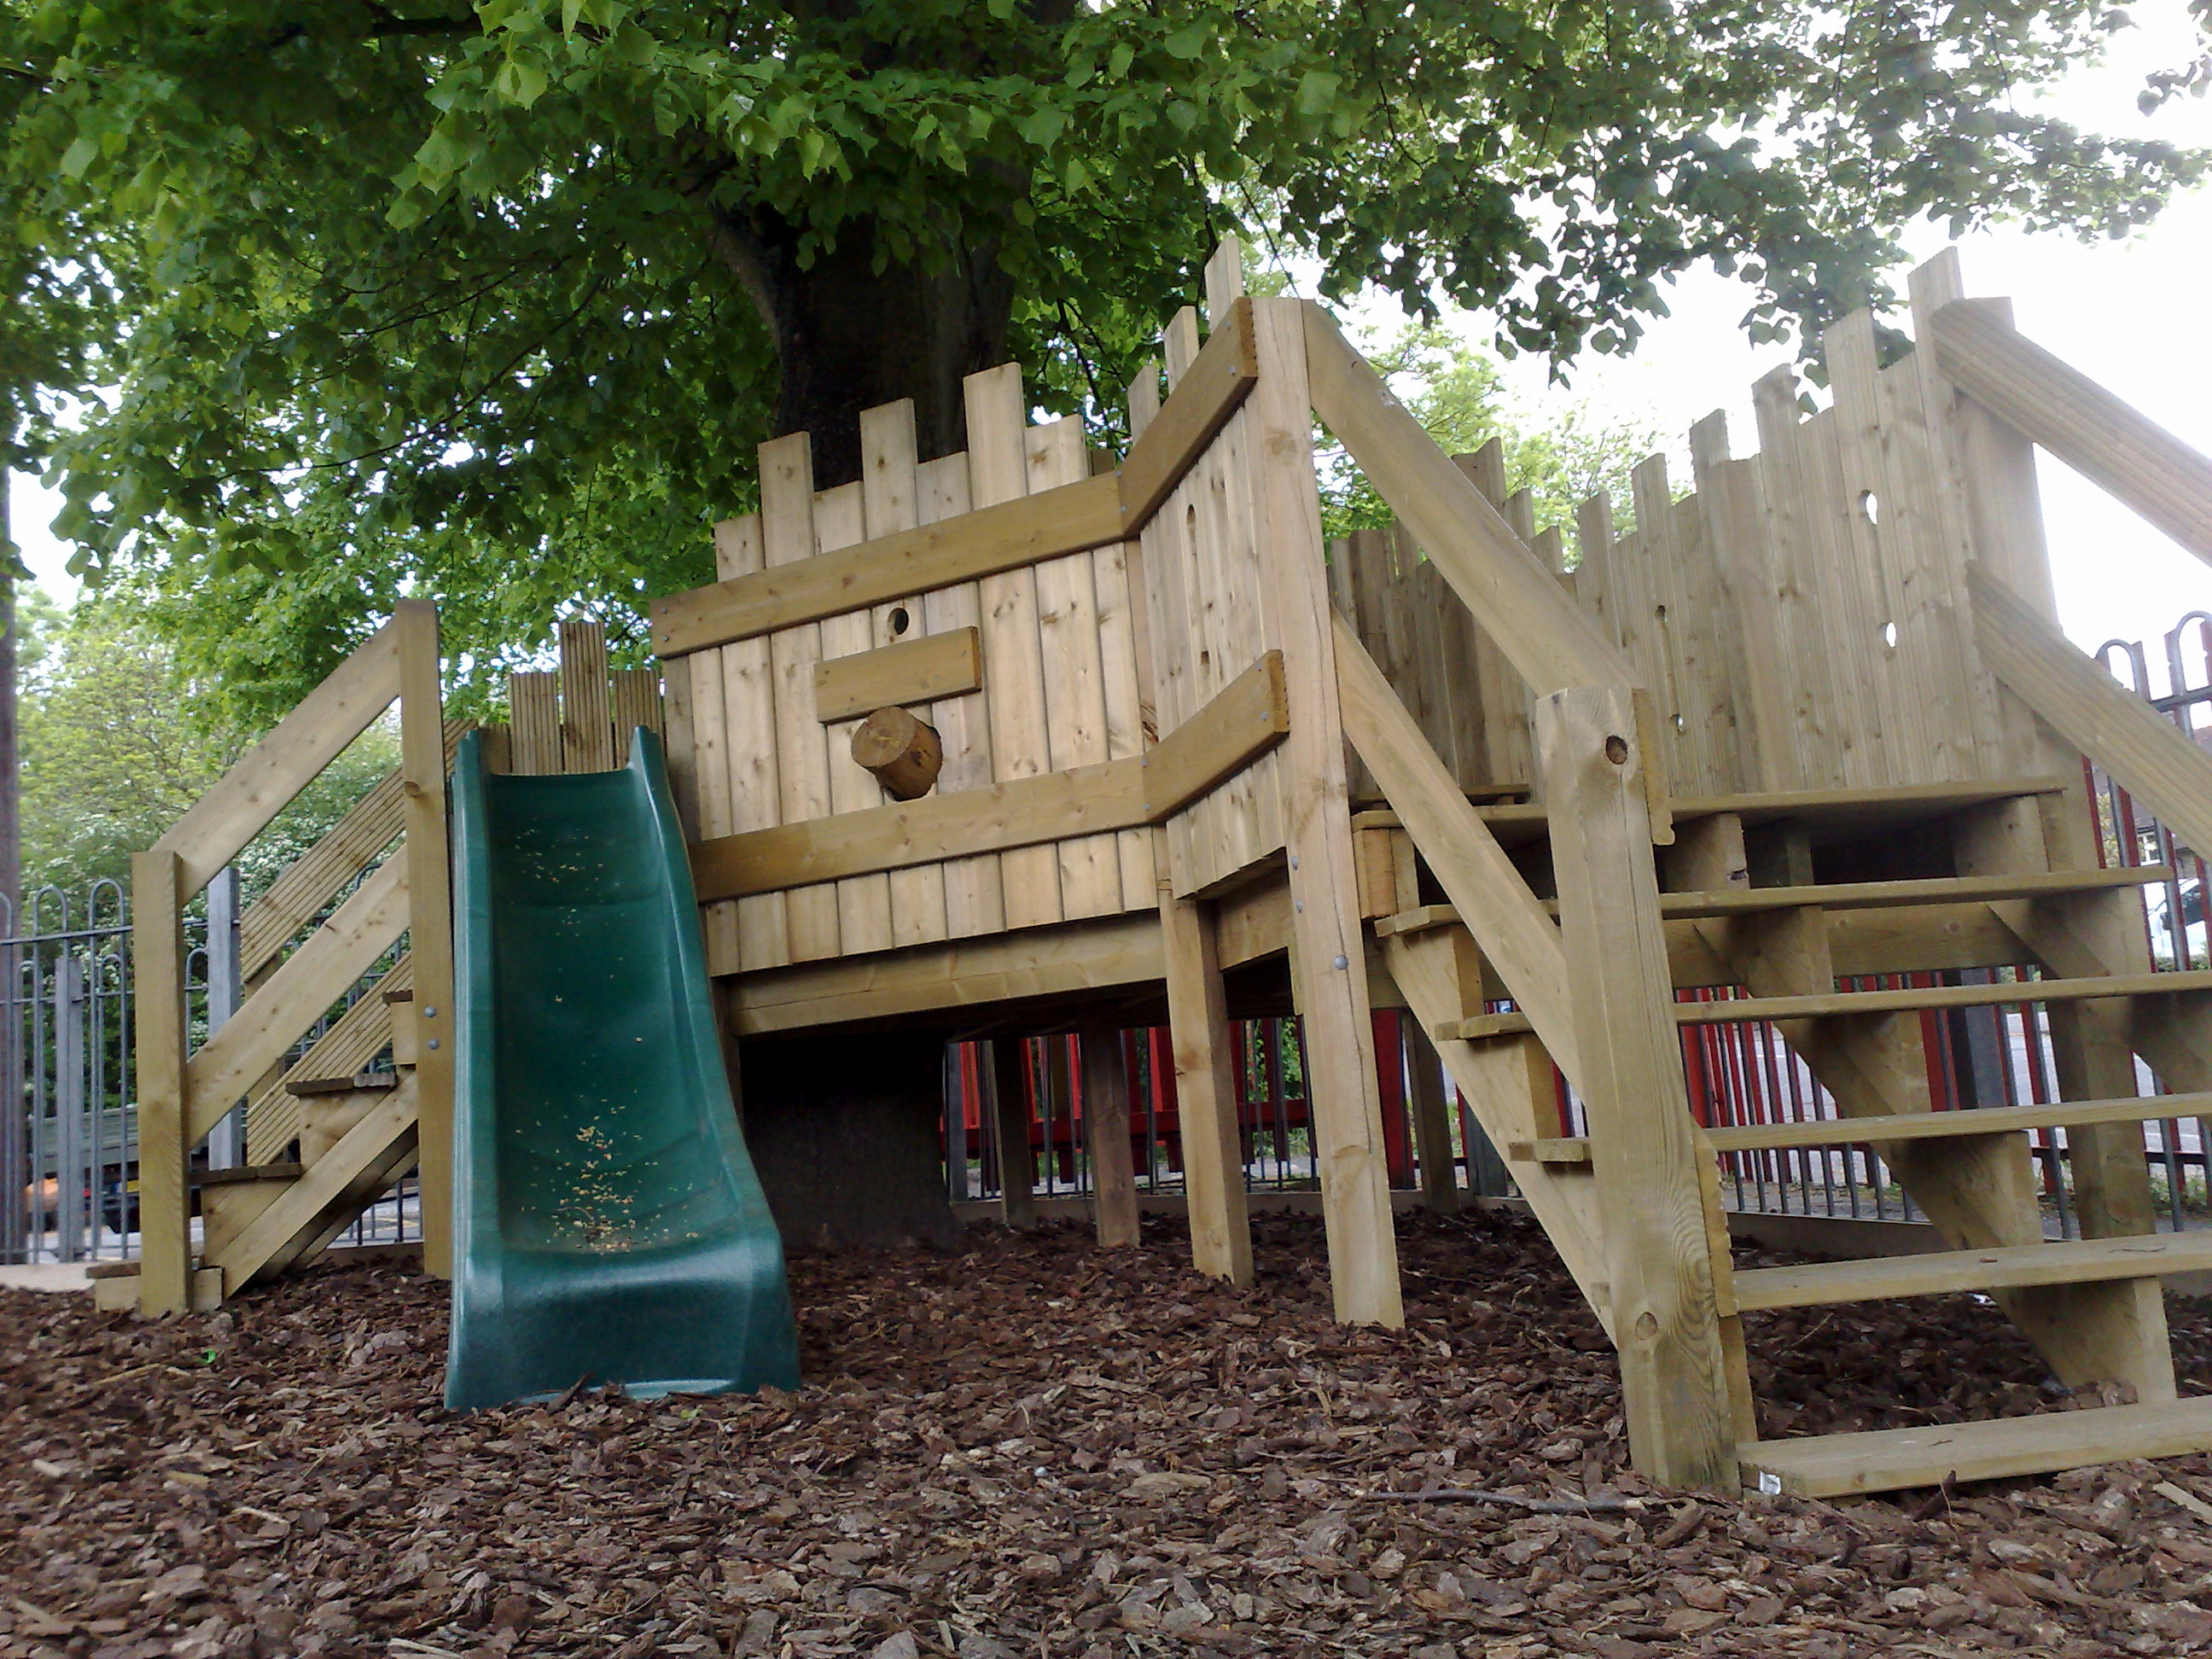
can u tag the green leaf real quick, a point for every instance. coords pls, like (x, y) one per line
(80, 155)
(1317, 91)
(1187, 43)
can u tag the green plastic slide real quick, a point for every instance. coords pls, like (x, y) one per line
(608, 1224)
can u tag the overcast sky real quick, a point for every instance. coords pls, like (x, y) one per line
(2133, 315)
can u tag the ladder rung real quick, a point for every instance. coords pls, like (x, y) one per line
(1915, 1126)
(1885, 1459)
(1739, 1010)
(343, 1085)
(2075, 1262)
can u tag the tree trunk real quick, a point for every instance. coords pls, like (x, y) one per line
(849, 337)
(15, 1167)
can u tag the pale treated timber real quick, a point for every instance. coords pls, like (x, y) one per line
(2134, 459)
(1106, 1130)
(313, 878)
(1915, 1126)
(587, 737)
(2072, 1261)
(1549, 641)
(1328, 952)
(429, 903)
(1846, 896)
(1072, 518)
(215, 827)
(1516, 935)
(157, 899)
(272, 1116)
(1243, 722)
(290, 999)
(1209, 392)
(912, 671)
(1888, 1460)
(1648, 1160)
(1517, 822)
(1205, 1089)
(1738, 1010)
(1075, 961)
(2169, 776)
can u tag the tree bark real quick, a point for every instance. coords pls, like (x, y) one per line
(849, 337)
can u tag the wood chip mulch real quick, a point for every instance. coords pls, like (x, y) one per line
(1037, 1449)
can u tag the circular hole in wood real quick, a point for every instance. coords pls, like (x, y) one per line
(1616, 750)
(1889, 634)
(1871, 504)
(900, 621)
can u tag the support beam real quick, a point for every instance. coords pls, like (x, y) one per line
(1646, 1147)
(1106, 1128)
(1328, 946)
(1010, 1120)
(430, 915)
(157, 896)
(1432, 1113)
(1206, 1090)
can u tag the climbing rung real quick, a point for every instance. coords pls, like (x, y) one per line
(1915, 1126)
(1885, 1459)
(1737, 1010)
(342, 1085)
(2075, 1262)
(1845, 896)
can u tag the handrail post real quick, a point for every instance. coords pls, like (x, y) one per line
(165, 1249)
(430, 920)
(1669, 1320)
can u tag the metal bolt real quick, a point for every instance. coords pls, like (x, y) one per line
(429, 1013)
(434, 1043)
(1341, 961)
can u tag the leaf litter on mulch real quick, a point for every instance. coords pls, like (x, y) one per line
(1036, 1448)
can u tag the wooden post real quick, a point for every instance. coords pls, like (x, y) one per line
(1328, 942)
(1643, 1145)
(1424, 1078)
(429, 919)
(165, 1250)
(1206, 1090)
(1010, 1121)
(1106, 1125)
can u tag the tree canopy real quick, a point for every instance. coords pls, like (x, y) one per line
(492, 302)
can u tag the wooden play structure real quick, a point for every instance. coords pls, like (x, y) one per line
(1022, 740)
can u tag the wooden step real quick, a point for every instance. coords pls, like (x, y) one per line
(1916, 1125)
(1838, 810)
(307, 1086)
(244, 1173)
(1843, 895)
(2073, 1262)
(1885, 1459)
(1828, 1004)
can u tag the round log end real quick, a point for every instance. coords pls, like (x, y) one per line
(902, 753)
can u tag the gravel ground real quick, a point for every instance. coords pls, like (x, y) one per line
(1034, 1448)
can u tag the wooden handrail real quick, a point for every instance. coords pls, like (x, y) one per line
(2169, 776)
(240, 807)
(1506, 919)
(298, 993)
(2041, 397)
(1548, 638)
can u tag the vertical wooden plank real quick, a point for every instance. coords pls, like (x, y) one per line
(710, 743)
(1850, 607)
(1644, 1146)
(1106, 1127)
(1809, 692)
(1074, 673)
(802, 749)
(682, 762)
(1010, 1116)
(586, 735)
(1432, 1113)
(864, 902)
(633, 700)
(1328, 942)
(1748, 636)
(975, 899)
(1594, 551)
(534, 709)
(742, 778)
(430, 915)
(892, 501)
(157, 943)
(1205, 1092)
(1013, 670)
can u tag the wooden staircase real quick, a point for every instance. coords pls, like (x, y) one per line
(2091, 1306)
